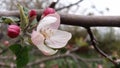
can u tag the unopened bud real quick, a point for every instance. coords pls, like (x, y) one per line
(13, 31)
(6, 43)
(48, 11)
(32, 13)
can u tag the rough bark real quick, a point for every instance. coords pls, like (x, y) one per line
(78, 20)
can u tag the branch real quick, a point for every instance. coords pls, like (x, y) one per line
(69, 5)
(4, 65)
(74, 57)
(47, 59)
(94, 43)
(71, 55)
(3, 51)
(53, 4)
(77, 20)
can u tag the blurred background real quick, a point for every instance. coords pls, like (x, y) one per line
(82, 54)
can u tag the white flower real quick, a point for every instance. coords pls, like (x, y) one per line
(47, 37)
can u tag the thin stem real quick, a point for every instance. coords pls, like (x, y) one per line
(3, 51)
(53, 4)
(58, 9)
(93, 40)
(76, 60)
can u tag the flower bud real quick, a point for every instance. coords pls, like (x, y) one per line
(6, 43)
(99, 66)
(48, 11)
(13, 31)
(32, 13)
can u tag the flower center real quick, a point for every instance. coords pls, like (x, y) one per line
(46, 32)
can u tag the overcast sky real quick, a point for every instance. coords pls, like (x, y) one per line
(101, 5)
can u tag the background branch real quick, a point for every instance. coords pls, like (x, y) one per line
(94, 43)
(45, 59)
(71, 55)
(69, 5)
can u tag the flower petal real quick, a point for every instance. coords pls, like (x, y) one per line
(46, 50)
(58, 39)
(38, 40)
(46, 22)
(56, 24)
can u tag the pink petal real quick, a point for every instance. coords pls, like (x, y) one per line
(38, 40)
(58, 39)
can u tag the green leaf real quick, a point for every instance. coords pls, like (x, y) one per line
(22, 59)
(21, 54)
(7, 20)
(26, 11)
(34, 22)
(23, 16)
(16, 48)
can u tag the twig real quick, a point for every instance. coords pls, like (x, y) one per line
(66, 61)
(69, 5)
(76, 60)
(6, 57)
(3, 51)
(53, 4)
(47, 59)
(4, 65)
(93, 40)
(74, 49)
(83, 60)
(71, 55)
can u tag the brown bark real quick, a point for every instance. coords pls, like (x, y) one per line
(77, 20)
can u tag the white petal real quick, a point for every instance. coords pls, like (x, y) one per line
(57, 23)
(46, 50)
(46, 22)
(37, 38)
(58, 39)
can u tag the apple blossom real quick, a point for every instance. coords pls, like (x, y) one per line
(13, 31)
(47, 37)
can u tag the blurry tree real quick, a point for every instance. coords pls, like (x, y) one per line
(109, 42)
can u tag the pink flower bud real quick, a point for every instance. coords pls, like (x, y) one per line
(13, 31)
(100, 66)
(48, 11)
(32, 13)
(6, 43)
